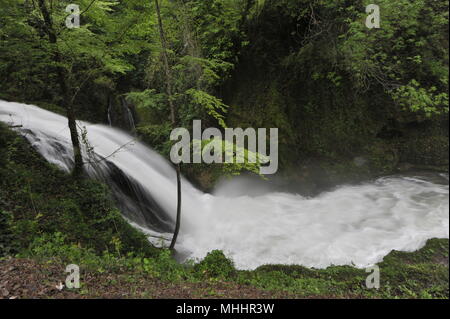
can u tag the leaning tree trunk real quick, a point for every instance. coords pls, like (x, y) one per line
(173, 118)
(67, 102)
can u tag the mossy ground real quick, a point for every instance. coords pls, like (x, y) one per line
(420, 274)
(48, 220)
(36, 199)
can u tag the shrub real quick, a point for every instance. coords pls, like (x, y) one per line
(7, 246)
(215, 266)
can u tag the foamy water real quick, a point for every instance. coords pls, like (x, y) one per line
(352, 225)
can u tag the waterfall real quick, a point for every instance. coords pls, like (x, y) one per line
(120, 115)
(109, 112)
(351, 225)
(128, 114)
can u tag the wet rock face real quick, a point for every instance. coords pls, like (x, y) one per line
(134, 201)
(360, 161)
(428, 150)
(121, 114)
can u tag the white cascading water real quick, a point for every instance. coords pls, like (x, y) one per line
(351, 225)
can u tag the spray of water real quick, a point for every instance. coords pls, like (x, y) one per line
(351, 225)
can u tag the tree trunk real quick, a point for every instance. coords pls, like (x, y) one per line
(173, 118)
(66, 103)
(78, 158)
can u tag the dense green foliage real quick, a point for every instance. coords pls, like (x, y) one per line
(334, 88)
(338, 89)
(7, 244)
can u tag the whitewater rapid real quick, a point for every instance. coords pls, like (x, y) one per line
(351, 225)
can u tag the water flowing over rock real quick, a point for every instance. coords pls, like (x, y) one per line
(356, 225)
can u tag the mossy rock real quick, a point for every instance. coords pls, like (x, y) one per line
(215, 266)
(383, 157)
(432, 150)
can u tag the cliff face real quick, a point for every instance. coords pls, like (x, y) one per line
(328, 129)
(331, 129)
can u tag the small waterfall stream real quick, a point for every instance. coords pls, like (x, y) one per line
(120, 114)
(356, 225)
(128, 113)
